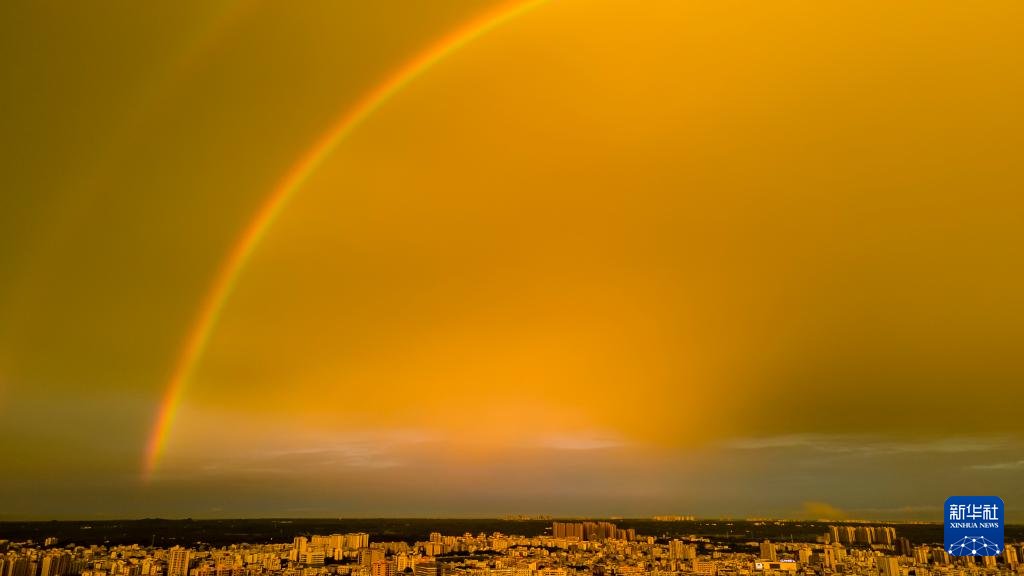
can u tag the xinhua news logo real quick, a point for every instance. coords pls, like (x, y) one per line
(974, 525)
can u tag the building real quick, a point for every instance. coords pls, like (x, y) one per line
(1010, 557)
(313, 557)
(904, 547)
(787, 565)
(864, 535)
(828, 557)
(179, 561)
(427, 569)
(567, 530)
(591, 531)
(885, 535)
(704, 566)
(888, 566)
(356, 540)
(382, 568)
(55, 565)
(368, 556)
(679, 550)
(768, 551)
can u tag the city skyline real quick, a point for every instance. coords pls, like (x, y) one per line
(472, 258)
(562, 549)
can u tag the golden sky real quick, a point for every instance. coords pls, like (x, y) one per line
(602, 258)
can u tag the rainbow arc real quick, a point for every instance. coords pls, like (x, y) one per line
(241, 252)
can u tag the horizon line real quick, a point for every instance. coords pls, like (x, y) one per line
(505, 518)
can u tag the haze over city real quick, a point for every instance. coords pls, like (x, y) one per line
(475, 258)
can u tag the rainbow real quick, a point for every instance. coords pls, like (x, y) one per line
(242, 250)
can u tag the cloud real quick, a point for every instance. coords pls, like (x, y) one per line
(822, 511)
(352, 455)
(582, 442)
(1014, 465)
(867, 445)
(898, 512)
(287, 449)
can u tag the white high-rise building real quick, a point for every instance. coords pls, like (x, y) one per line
(178, 561)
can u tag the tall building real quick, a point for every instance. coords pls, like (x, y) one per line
(356, 540)
(382, 568)
(842, 534)
(904, 548)
(1010, 557)
(921, 554)
(888, 566)
(48, 566)
(19, 566)
(768, 551)
(804, 554)
(828, 557)
(864, 534)
(593, 531)
(178, 561)
(679, 550)
(313, 557)
(55, 565)
(367, 556)
(884, 535)
(567, 530)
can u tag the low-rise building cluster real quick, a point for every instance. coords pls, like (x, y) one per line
(572, 549)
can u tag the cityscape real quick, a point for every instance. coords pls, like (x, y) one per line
(565, 548)
(512, 288)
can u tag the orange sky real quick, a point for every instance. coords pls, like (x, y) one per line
(704, 257)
